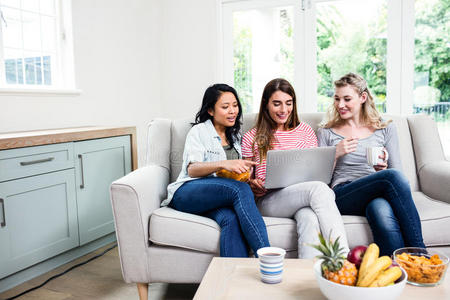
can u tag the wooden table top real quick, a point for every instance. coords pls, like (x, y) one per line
(238, 278)
(12, 140)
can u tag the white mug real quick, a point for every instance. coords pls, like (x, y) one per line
(271, 264)
(373, 155)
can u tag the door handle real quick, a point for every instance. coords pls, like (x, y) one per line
(37, 161)
(3, 223)
(82, 172)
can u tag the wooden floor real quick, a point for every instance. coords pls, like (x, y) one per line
(98, 279)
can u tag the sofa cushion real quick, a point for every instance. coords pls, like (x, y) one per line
(170, 227)
(178, 132)
(435, 217)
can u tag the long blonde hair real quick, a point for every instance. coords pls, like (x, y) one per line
(265, 126)
(369, 115)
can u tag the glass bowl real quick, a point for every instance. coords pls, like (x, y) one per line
(425, 266)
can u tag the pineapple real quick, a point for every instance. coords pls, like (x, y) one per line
(334, 266)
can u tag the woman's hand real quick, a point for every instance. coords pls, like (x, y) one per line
(346, 146)
(383, 165)
(238, 166)
(257, 187)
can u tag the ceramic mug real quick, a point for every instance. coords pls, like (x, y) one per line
(271, 264)
(373, 155)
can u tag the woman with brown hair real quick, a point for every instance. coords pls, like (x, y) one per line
(311, 204)
(380, 192)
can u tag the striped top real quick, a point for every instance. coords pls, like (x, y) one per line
(300, 137)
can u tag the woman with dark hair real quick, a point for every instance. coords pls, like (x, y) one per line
(213, 144)
(311, 204)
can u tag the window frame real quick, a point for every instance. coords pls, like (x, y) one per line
(64, 82)
(399, 61)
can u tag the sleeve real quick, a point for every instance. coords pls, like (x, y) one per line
(322, 137)
(247, 141)
(194, 149)
(392, 146)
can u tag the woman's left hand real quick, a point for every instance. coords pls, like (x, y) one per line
(383, 165)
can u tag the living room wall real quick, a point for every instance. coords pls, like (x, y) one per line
(189, 54)
(117, 62)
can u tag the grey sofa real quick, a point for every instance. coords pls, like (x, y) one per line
(164, 245)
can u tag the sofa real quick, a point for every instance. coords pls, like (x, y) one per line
(160, 244)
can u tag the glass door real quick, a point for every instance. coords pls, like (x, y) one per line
(311, 43)
(431, 72)
(351, 36)
(259, 39)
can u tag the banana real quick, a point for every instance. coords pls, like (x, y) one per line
(387, 277)
(369, 257)
(374, 270)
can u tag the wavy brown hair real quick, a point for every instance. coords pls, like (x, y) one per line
(265, 125)
(369, 115)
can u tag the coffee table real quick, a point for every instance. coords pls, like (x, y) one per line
(238, 278)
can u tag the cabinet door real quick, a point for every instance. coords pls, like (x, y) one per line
(38, 219)
(99, 163)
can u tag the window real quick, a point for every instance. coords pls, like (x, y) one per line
(262, 49)
(310, 43)
(348, 43)
(35, 45)
(431, 66)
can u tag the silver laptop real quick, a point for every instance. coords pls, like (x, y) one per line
(287, 167)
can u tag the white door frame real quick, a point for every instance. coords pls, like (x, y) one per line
(400, 49)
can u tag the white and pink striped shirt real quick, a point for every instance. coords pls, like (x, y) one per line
(300, 137)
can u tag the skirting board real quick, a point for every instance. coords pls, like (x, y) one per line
(43, 267)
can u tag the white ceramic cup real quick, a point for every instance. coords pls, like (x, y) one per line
(271, 264)
(373, 155)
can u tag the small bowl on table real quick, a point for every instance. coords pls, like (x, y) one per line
(425, 266)
(336, 291)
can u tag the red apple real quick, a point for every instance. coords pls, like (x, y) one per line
(356, 255)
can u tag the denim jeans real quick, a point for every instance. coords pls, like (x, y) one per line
(385, 199)
(231, 204)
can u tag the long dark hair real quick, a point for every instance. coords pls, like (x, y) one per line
(265, 126)
(212, 94)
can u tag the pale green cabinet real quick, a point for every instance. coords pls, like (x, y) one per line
(39, 219)
(98, 163)
(54, 198)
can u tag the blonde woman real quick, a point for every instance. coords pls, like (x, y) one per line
(381, 193)
(311, 204)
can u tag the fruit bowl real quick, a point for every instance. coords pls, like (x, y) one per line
(425, 271)
(335, 291)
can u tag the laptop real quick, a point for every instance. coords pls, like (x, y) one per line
(287, 167)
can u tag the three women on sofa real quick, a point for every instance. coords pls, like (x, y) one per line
(382, 195)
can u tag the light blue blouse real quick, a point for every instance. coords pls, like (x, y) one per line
(203, 144)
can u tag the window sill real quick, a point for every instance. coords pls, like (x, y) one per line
(39, 92)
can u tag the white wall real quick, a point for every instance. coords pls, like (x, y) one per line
(189, 54)
(117, 66)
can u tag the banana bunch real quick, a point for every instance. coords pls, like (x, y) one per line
(377, 271)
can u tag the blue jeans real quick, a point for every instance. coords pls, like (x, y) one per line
(385, 199)
(231, 204)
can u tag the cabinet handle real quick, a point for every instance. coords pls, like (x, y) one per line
(37, 161)
(82, 172)
(3, 223)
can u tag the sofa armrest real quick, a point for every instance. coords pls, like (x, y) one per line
(134, 197)
(435, 180)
